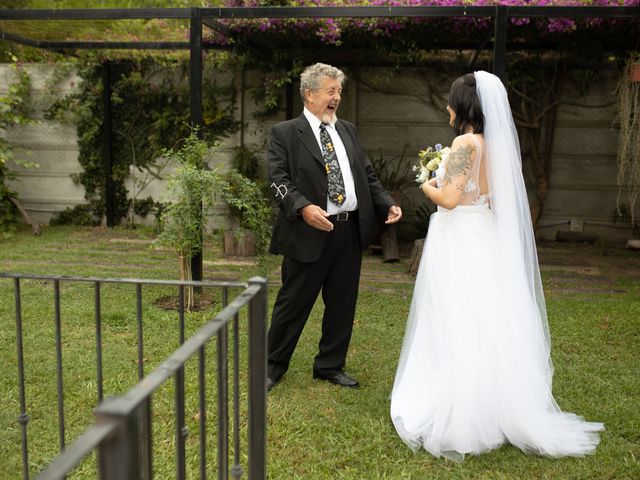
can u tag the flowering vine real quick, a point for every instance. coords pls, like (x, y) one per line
(432, 30)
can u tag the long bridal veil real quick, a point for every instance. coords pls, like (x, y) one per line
(512, 217)
(475, 368)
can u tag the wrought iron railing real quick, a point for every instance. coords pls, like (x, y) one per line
(122, 431)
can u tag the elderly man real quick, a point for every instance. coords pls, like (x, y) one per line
(331, 207)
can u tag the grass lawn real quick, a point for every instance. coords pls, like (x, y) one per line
(315, 430)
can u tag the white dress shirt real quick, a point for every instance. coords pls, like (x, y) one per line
(351, 202)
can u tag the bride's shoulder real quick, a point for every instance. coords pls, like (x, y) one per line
(465, 141)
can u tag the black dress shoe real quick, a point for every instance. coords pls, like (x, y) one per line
(271, 383)
(339, 378)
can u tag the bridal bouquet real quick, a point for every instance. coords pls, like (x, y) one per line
(430, 160)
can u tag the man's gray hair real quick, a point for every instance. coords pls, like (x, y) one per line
(311, 77)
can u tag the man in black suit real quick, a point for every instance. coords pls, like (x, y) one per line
(331, 207)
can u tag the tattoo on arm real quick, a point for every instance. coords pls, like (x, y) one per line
(458, 163)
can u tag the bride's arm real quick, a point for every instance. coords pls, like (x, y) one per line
(457, 170)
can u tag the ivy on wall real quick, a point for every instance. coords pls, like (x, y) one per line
(14, 110)
(149, 114)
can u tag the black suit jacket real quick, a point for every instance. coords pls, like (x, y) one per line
(296, 167)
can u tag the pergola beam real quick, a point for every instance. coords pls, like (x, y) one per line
(319, 12)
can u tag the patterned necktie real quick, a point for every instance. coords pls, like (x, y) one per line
(337, 193)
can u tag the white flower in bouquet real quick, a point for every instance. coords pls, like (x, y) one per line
(430, 160)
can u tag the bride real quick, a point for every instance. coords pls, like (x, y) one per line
(475, 370)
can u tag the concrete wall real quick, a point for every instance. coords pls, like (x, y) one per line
(51, 145)
(393, 112)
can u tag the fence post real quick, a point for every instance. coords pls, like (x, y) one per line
(500, 43)
(118, 456)
(257, 381)
(195, 102)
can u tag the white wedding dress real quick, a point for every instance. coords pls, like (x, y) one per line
(475, 370)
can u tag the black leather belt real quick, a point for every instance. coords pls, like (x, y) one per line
(344, 216)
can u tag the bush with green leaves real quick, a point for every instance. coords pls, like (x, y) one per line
(14, 110)
(247, 206)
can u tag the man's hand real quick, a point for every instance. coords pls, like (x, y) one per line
(317, 218)
(395, 214)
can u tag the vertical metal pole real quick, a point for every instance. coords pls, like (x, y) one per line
(289, 97)
(56, 301)
(202, 408)
(118, 457)
(257, 381)
(23, 418)
(140, 334)
(109, 196)
(195, 88)
(181, 431)
(98, 342)
(223, 403)
(145, 406)
(181, 468)
(146, 448)
(500, 43)
(242, 104)
(236, 468)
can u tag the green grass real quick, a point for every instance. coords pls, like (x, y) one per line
(315, 430)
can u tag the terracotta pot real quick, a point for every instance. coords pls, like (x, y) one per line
(635, 72)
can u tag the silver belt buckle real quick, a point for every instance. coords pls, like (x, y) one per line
(342, 216)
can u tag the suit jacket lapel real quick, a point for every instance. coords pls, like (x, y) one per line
(308, 139)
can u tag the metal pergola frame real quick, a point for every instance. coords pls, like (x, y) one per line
(200, 17)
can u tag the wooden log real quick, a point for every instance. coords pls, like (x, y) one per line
(240, 243)
(633, 243)
(389, 241)
(416, 256)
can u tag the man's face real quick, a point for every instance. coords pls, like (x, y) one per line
(324, 101)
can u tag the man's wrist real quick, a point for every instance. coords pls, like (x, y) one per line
(299, 211)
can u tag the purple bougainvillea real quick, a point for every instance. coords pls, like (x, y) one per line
(333, 31)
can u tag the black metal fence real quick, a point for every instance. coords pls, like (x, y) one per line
(122, 431)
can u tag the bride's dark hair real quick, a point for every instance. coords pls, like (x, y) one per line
(464, 101)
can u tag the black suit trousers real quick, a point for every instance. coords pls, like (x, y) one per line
(337, 274)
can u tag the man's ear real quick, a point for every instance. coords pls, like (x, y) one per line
(307, 96)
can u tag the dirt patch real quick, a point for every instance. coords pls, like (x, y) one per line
(201, 302)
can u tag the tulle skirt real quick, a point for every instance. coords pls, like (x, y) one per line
(475, 369)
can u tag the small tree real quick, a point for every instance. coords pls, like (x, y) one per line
(248, 208)
(191, 192)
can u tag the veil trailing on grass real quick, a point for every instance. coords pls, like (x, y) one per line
(512, 217)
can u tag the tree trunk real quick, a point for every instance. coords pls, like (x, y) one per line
(416, 256)
(389, 241)
(185, 274)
